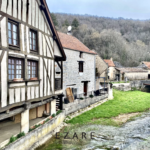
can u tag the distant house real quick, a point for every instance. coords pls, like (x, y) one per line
(132, 73)
(79, 67)
(101, 71)
(111, 69)
(146, 65)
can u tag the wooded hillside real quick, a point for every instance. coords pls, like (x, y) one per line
(126, 40)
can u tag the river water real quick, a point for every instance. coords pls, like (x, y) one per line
(134, 135)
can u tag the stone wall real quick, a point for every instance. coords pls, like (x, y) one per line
(71, 75)
(80, 104)
(136, 76)
(111, 74)
(138, 84)
(101, 65)
(123, 87)
(38, 136)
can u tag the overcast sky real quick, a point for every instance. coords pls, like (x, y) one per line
(135, 9)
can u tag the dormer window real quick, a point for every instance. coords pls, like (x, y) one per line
(81, 55)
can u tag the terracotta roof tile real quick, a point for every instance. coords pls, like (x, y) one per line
(70, 42)
(109, 62)
(147, 64)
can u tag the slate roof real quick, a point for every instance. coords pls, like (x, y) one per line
(71, 42)
(147, 64)
(109, 62)
(129, 70)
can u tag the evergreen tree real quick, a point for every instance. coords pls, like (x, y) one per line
(75, 23)
(66, 23)
(54, 19)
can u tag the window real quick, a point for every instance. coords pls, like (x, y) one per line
(33, 41)
(32, 69)
(81, 55)
(15, 68)
(80, 66)
(13, 38)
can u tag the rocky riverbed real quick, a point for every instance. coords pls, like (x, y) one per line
(134, 135)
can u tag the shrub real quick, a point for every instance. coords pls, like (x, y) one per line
(134, 89)
(31, 129)
(12, 139)
(47, 120)
(36, 126)
(20, 135)
(91, 96)
(81, 98)
(53, 115)
(58, 112)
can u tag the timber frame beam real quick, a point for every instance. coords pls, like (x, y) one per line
(23, 103)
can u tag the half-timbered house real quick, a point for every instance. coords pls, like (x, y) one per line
(29, 49)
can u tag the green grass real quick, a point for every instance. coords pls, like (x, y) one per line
(120, 82)
(123, 103)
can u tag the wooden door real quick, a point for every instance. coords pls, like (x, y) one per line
(85, 88)
(122, 77)
(69, 95)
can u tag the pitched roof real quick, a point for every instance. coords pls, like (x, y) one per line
(55, 34)
(125, 70)
(109, 62)
(71, 42)
(147, 64)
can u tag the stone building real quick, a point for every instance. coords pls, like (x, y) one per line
(101, 71)
(79, 67)
(131, 74)
(29, 48)
(111, 69)
(146, 66)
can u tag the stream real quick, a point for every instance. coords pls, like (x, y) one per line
(134, 135)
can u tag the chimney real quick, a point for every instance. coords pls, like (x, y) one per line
(111, 59)
(69, 30)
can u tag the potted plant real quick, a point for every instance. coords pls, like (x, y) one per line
(35, 78)
(18, 79)
(91, 96)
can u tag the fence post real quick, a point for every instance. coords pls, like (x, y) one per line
(110, 92)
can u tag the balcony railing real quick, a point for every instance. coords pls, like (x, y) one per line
(58, 85)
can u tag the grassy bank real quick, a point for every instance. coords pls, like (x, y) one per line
(123, 103)
(120, 82)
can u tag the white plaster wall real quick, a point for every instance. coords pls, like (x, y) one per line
(71, 71)
(137, 76)
(111, 73)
